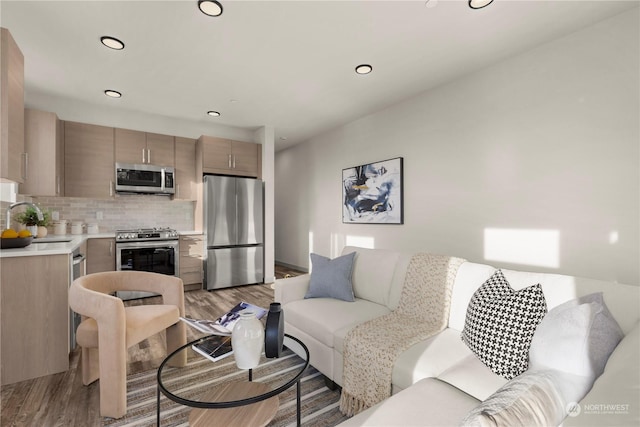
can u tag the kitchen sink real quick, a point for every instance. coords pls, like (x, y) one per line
(51, 240)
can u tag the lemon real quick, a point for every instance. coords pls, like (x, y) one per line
(24, 233)
(9, 233)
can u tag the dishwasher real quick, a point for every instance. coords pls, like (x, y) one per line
(78, 268)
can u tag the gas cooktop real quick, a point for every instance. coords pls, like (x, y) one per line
(142, 234)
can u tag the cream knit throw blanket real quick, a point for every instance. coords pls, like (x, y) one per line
(371, 348)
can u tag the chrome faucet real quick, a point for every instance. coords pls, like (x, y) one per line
(37, 209)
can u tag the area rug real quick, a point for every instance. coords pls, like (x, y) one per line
(319, 407)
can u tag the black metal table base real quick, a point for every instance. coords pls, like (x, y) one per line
(160, 389)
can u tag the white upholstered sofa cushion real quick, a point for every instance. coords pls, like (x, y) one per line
(322, 317)
(429, 402)
(373, 273)
(617, 387)
(429, 358)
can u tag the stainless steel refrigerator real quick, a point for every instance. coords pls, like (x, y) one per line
(234, 231)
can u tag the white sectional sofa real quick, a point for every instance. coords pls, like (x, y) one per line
(440, 380)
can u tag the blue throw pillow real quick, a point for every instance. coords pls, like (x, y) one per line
(331, 278)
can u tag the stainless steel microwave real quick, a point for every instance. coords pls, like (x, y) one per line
(147, 179)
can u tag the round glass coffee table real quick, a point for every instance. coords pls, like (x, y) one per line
(224, 395)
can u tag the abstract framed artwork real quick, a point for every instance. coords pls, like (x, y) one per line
(372, 193)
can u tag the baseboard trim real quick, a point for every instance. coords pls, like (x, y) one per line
(293, 267)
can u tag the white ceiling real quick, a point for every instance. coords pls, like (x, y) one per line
(286, 64)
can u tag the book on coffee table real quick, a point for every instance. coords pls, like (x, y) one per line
(215, 348)
(224, 324)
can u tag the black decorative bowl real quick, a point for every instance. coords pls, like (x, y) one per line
(18, 242)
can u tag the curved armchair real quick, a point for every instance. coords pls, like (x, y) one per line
(108, 328)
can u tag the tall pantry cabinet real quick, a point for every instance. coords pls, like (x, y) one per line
(12, 154)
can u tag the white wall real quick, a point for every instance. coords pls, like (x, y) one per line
(547, 140)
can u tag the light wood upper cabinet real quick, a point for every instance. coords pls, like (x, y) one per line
(144, 148)
(12, 153)
(89, 160)
(160, 149)
(44, 145)
(101, 255)
(229, 157)
(131, 145)
(185, 157)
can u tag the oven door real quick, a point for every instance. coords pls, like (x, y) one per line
(154, 256)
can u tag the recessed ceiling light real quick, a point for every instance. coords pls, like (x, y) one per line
(112, 93)
(112, 42)
(364, 69)
(213, 113)
(479, 4)
(210, 7)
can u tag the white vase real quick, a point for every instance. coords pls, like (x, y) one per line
(42, 231)
(33, 229)
(247, 340)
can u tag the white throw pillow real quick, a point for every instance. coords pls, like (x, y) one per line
(530, 399)
(576, 337)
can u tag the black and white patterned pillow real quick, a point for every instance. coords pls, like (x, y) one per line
(500, 324)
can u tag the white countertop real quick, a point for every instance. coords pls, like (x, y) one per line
(43, 246)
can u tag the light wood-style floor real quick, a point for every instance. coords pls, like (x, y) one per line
(62, 400)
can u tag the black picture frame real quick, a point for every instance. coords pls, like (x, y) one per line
(372, 193)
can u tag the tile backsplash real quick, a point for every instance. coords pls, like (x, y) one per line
(121, 212)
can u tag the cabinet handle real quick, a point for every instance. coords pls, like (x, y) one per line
(58, 185)
(229, 158)
(143, 155)
(110, 248)
(110, 188)
(149, 155)
(25, 162)
(234, 161)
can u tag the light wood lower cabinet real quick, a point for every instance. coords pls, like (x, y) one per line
(191, 252)
(35, 316)
(101, 255)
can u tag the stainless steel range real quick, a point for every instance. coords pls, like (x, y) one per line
(147, 249)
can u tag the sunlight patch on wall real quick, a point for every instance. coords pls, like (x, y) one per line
(337, 243)
(539, 248)
(360, 241)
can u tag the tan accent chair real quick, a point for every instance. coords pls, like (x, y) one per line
(109, 328)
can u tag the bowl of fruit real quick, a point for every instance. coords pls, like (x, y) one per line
(12, 239)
